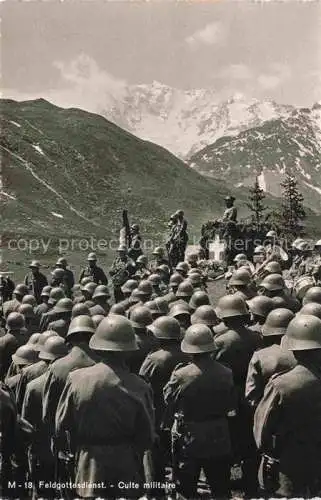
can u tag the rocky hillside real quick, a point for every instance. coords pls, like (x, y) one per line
(288, 144)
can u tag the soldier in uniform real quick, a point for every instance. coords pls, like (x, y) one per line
(140, 319)
(93, 271)
(100, 297)
(107, 411)
(181, 234)
(43, 307)
(13, 305)
(24, 356)
(273, 286)
(287, 424)
(135, 249)
(259, 306)
(122, 268)
(69, 279)
(159, 258)
(241, 284)
(9, 343)
(230, 213)
(201, 396)
(35, 280)
(55, 295)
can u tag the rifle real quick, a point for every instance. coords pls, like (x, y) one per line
(127, 228)
(177, 432)
(65, 464)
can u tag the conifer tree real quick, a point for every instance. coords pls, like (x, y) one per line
(256, 204)
(292, 213)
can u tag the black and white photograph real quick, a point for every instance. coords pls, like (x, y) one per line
(160, 249)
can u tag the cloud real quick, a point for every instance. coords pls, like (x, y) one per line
(212, 34)
(277, 75)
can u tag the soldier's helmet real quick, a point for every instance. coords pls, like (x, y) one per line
(277, 321)
(29, 299)
(97, 318)
(182, 267)
(58, 273)
(122, 248)
(163, 268)
(273, 282)
(80, 310)
(185, 289)
(64, 305)
(114, 333)
(145, 289)
(35, 264)
(141, 317)
(230, 306)
(199, 298)
(240, 277)
(239, 257)
(154, 279)
(176, 279)
(178, 310)
(142, 259)
(271, 234)
(273, 267)
(259, 249)
(43, 338)
(26, 310)
(117, 309)
(33, 340)
(296, 242)
(25, 355)
(85, 280)
(92, 257)
(89, 288)
(161, 304)
(80, 324)
(15, 322)
(198, 339)
(135, 296)
(204, 315)
(166, 328)
(317, 244)
(159, 251)
(303, 333)
(260, 305)
(135, 227)
(312, 295)
(195, 279)
(54, 348)
(129, 286)
(101, 291)
(311, 309)
(20, 290)
(62, 261)
(45, 292)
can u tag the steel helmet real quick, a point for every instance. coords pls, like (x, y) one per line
(178, 310)
(145, 288)
(56, 294)
(204, 315)
(26, 310)
(80, 310)
(62, 261)
(140, 317)
(142, 259)
(273, 282)
(279, 302)
(176, 279)
(199, 298)
(117, 309)
(161, 304)
(64, 305)
(240, 277)
(182, 266)
(43, 338)
(159, 251)
(259, 249)
(81, 324)
(195, 279)
(58, 273)
(25, 355)
(198, 339)
(185, 289)
(154, 279)
(15, 321)
(101, 291)
(277, 321)
(163, 268)
(317, 243)
(122, 248)
(53, 348)
(89, 287)
(296, 242)
(45, 292)
(34, 264)
(181, 303)
(166, 328)
(313, 295)
(239, 257)
(311, 309)
(34, 339)
(129, 286)
(97, 318)
(135, 297)
(20, 289)
(230, 306)
(134, 227)
(271, 234)
(273, 267)
(92, 256)
(85, 280)
(29, 299)
(303, 246)
(114, 333)
(303, 333)
(260, 305)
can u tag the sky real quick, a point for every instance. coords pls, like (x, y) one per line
(266, 50)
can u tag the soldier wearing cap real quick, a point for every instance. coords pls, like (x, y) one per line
(121, 270)
(107, 411)
(68, 278)
(201, 396)
(94, 272)
(35, 280)
(287, 422)
(230, 213)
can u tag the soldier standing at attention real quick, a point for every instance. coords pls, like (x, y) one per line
(94, 272)
(35, 280)
(230, 213)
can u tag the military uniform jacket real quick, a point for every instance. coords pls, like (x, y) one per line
(27, 374)
(78, 357)
(287, 425)
(157, 370)
(10, 306)
(95, 273)
(265, 363)
(9, 343)
(146, 343)
(108, 412)
(121, 270)
(35, 284)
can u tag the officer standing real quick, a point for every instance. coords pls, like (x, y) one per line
(93, 271)
(230, 213)
(35, 280)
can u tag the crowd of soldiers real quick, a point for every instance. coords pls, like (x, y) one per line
(144, 392)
